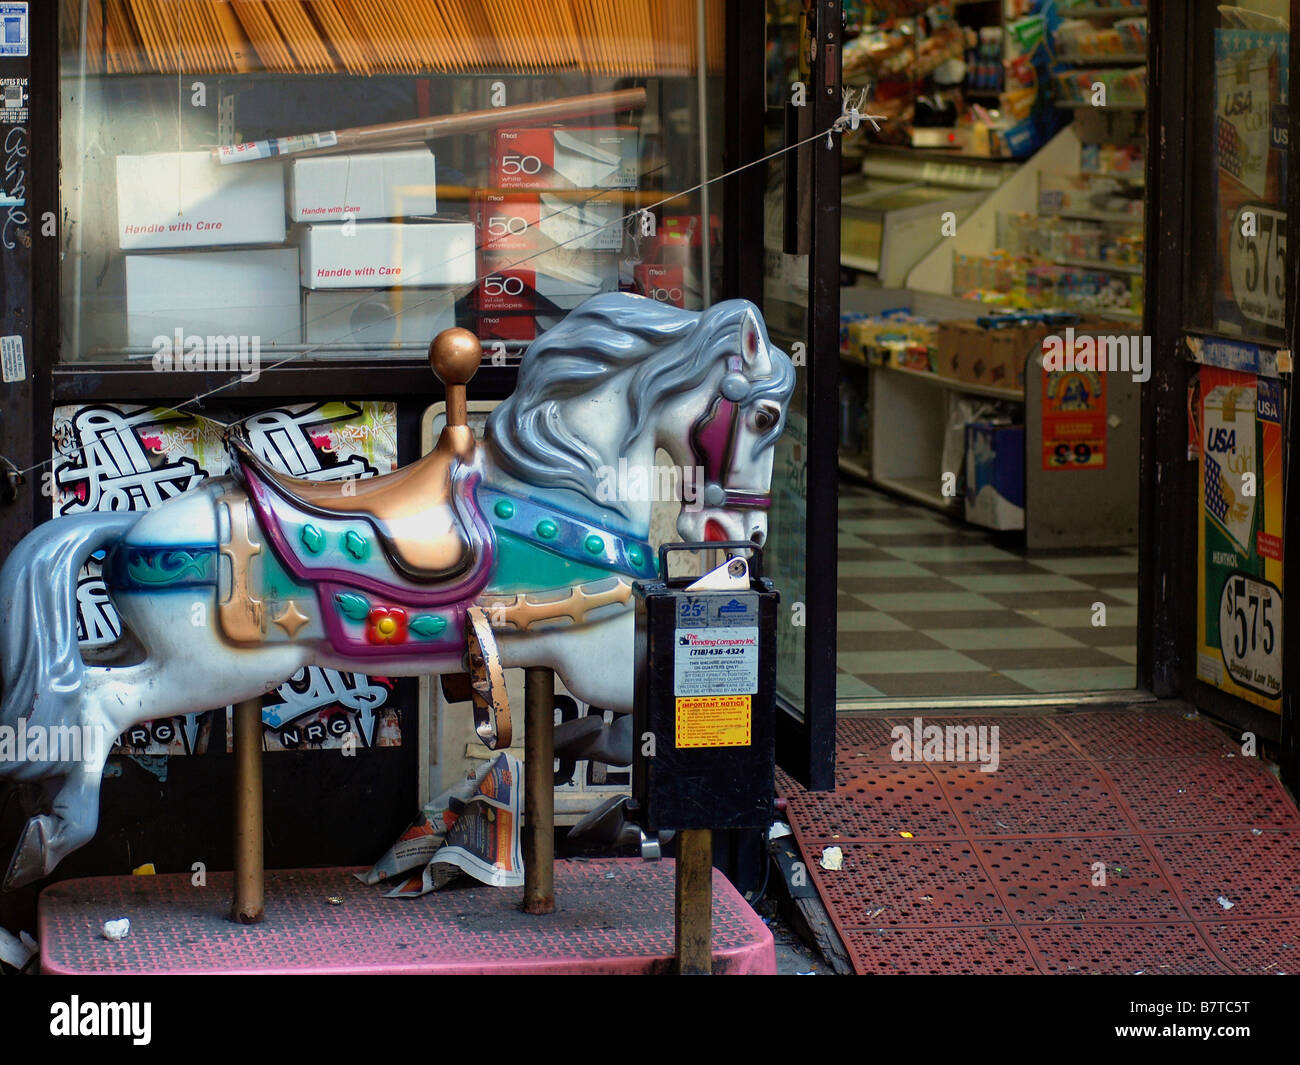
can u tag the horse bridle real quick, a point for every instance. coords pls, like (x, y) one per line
(713, 441)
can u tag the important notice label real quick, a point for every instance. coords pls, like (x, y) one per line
(714, 721)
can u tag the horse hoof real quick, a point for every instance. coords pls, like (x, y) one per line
(29, 859)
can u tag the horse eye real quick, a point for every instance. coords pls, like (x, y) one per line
(764, 419)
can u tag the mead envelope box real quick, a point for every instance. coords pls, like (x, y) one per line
(562, 276)
(188, 199)
(376, 185)
(381, 318)
(386, 254)
(574, 158)
(214, 293)
(533, 221)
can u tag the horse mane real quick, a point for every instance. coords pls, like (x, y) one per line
(667, 350)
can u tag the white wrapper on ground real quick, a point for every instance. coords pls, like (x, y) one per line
(16, 950)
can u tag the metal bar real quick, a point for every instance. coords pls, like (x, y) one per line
(702, 120)
(539, 790)
(693, 903)
(249, 903)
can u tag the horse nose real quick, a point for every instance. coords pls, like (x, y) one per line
(759, 537)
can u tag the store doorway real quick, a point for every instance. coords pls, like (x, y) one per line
(992, 357)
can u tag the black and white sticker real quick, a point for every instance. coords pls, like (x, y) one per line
(1250, 633)
(13, 367)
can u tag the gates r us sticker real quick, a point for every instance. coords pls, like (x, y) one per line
(714, 721)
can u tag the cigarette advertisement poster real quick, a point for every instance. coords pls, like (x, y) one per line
(1250, 138)
(129, 457)
(1239, 548)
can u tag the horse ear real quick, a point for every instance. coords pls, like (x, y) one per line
(753, 345)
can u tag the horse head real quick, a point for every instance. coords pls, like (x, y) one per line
(622, 376)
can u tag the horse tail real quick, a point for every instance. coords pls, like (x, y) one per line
(41, 669)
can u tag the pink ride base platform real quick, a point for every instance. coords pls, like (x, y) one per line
(613, 916)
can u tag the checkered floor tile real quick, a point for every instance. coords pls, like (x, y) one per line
(933, 607)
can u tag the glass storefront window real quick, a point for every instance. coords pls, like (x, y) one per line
(275, 175)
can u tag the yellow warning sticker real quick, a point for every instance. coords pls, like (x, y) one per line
(714, 721)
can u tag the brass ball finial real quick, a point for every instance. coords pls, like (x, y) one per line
(455, 355)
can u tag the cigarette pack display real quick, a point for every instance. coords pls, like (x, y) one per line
(591, 158)
(220, 293)
(186, 200)
(561, 278)
(377, 317)
(332, 188)
(533, 221)
(386, 254)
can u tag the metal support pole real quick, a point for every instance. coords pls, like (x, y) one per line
(539, 790)
(249, 903)
(693, 902)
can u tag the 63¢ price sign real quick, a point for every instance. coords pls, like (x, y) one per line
(1074, 420)
(1250, 633)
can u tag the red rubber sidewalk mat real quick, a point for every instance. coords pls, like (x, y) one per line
(1140, 842)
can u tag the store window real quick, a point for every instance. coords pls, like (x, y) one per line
(326, 178)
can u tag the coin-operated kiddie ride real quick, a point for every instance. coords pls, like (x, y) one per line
(478, 557)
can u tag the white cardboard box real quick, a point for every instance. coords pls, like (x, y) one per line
(386, 254)
(377, 317)
(222, 293)
(188, 199)
(373, 185)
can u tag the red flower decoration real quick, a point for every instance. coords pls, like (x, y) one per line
(385, 625)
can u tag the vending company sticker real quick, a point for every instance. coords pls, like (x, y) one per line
(722, 660)
(714, 721)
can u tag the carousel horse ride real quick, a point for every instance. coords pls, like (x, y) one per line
(480, 556)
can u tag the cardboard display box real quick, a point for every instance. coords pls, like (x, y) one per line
(214, 293)
(575, 158)
(1008, 349)
(188, 199)
(377, 317)
(386, 254)
(331, 188)
(964, 351)
(535, 221)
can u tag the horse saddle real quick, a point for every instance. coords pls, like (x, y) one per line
(418, 514)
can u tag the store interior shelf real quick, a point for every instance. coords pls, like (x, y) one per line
(1097, 216)
(953, 385)
(1117, 59)
(1095, 264)
(921, 490)
(1114, 12)
(1079, 105)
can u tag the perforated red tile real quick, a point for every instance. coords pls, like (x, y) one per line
(1130, 949)
(878, 803)
(1033, 798)
(1257, 947)
(1203, 793)
(1105, 878)
(612, 916)
(1142, 735)
(940, 951)
(1258, 874)
(908, 883)
(865, 739)
(1016, 737)
(1016, 892)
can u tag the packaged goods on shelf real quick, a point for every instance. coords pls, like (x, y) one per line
(602, 157)
(1123, 86)
(385, 254)
(363, 185)
(665, 282)
(188, 199)
(377, 317)
(217, 294)
(534, 221)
